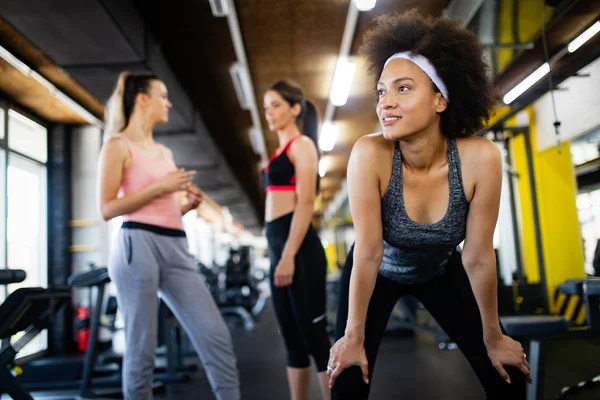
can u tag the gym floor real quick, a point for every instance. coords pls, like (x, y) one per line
(407, 368)
(410, 368)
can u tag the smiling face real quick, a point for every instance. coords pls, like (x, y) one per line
(407, 102)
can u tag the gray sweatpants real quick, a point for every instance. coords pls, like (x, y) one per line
(145, 264)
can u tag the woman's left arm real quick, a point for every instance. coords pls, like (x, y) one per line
(478, 254)
(189, 199)
(193, 197)
(303, 154)
(479, 258)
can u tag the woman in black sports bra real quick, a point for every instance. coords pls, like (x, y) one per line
(298, 262)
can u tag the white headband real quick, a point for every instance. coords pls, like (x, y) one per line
(427, 67)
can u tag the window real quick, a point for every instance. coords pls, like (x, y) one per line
(586, 148)
(206, 243)
(1, 123)
(26, 222)
(588, 208)
(27, 137)
(26, 229)
(191, 225)
(2, 217)
(23, 202)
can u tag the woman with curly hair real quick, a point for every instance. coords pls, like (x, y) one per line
(416, 191)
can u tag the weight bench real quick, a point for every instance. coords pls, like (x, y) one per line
(31, 310)
(570, 288)
(535, 329)
(591, 296)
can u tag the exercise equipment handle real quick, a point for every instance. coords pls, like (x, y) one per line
(12, 276)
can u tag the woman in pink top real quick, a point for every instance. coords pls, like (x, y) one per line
(138, 179)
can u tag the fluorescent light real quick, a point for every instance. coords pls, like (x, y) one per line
(342, 81)
(526, 83)
(365, 5)
(14, 61)
(322, 167)
(255, 135)
(66, 100)
(219, 8)
(239, 78)
(77, 108)
(328, 135)
(584, 37)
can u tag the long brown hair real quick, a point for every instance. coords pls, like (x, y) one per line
(120, 104)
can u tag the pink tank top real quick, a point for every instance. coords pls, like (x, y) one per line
(164, 211)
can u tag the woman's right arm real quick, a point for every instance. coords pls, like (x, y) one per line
(365, 206)
(111, 164)
(112, 160)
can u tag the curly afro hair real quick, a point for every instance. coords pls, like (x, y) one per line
(455, 53)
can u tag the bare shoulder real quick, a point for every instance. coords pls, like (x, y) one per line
(304, 142)
(371, 162)
(479, 153)
(116, 146)
(303, 148)
(166, 149)
(373, 146)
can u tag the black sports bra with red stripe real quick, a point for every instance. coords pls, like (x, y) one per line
(279, 175)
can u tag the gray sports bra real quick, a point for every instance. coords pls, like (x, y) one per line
(413, 252)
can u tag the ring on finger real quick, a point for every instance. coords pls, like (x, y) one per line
(329, 369)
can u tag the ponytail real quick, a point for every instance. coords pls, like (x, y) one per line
(309, 126)
(121, 103)
(308, 121)
(114, 117)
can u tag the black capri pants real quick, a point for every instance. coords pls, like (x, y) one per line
(450, 300)
(300, 307)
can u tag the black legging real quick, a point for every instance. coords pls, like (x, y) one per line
(450, 300)
(300, 308)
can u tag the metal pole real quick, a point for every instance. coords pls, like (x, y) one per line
(513, 213)
(536, 218)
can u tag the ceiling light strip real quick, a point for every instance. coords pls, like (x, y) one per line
(543, 70)
(347, 39)
(66, 100)
(238, 45)
(327, 126)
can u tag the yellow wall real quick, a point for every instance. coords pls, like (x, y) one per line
(505, 32)
(556, 191)
(561, 235)
(499, 112)
(331, 258)
(530, 18)
(528, 22)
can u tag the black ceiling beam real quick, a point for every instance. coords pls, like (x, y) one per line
(565, 68)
